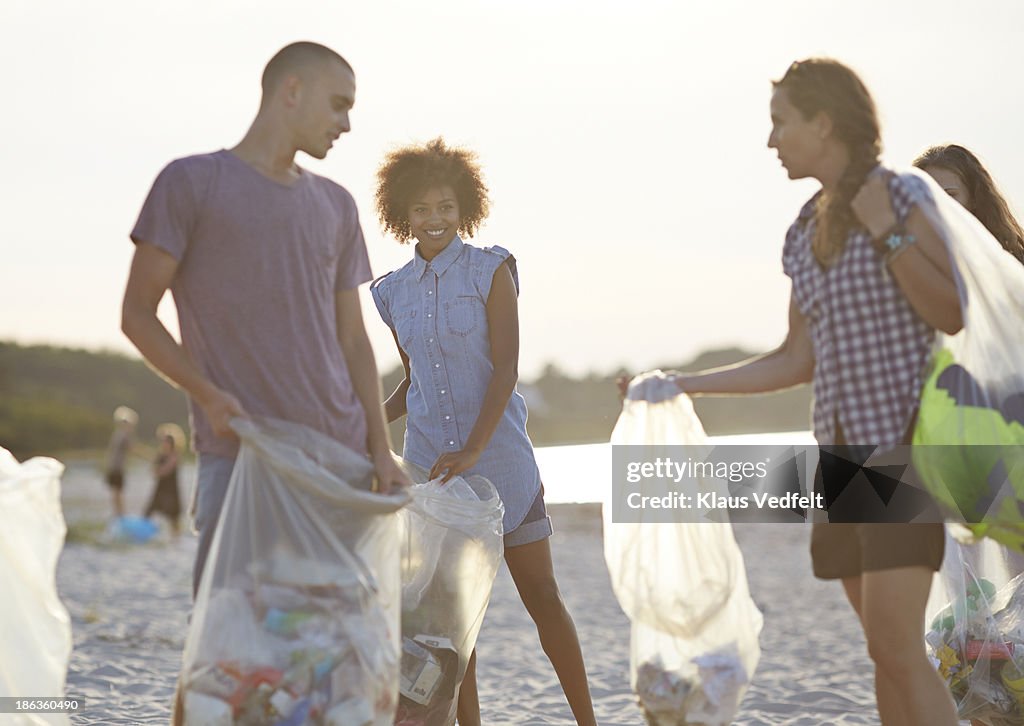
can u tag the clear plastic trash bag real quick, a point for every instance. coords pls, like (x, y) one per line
(975, 630)
(969, 437)
(34, 625)
(695, 628)
(296, 618)
(451, 550)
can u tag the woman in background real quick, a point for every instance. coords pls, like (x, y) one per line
(166, 498)
(962, 176)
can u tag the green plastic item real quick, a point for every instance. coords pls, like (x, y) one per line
(979, 593)
(959, 448)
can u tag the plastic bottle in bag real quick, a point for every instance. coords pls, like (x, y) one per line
(296, 618)
(975, 631)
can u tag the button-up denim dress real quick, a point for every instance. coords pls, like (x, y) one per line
(438, 312)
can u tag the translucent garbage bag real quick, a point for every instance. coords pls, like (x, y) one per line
(451, 550)
(296, 618)
(695, 628)
(34, 625)
(969, 436)
(975, 631)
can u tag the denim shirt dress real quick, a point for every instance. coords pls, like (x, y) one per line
(438, 312)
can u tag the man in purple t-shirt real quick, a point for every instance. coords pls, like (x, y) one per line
(263, 259)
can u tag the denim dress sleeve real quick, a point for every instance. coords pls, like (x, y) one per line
(379, 290)
(487, 264)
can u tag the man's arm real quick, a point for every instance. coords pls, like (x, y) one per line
(362, 368)
(151, 274)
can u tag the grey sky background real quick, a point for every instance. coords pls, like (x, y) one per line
(624, 143)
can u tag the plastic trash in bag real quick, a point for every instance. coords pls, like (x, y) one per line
(452, 548)
(969, 437)
(695, 628)
(296, 618)
(975, 632)
(34, 625)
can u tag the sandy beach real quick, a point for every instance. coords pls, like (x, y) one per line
(129, 608)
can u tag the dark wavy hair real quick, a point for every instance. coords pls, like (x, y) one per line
(824, 85)
(987, 204)
(409, 171)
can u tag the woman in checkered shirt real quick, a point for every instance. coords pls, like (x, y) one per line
(872, 282)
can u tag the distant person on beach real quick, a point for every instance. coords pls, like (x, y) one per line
(453, 313)
(870, 290)
(121, 440)
(264, 259)
(166, 500)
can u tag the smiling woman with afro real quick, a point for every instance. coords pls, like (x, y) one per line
(409, 171)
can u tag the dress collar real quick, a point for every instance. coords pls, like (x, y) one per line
(441, 262)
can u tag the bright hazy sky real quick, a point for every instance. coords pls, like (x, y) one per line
(623, 142)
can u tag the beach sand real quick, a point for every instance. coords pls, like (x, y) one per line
(129, 608)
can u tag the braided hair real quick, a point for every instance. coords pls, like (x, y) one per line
(823, 85)
(987, 204)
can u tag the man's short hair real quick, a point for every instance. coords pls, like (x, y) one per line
(295, 57)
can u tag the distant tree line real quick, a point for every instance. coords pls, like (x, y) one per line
(57, 399)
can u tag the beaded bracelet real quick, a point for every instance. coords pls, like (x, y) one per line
(905, 242)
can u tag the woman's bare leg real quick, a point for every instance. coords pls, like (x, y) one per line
(888, 701)
(468, 712)
(534, 576)
(893, 603)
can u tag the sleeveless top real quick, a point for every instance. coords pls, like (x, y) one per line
(438, 312)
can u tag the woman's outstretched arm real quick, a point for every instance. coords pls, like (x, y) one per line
(791, 364)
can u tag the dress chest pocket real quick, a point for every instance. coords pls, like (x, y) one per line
(463, 315)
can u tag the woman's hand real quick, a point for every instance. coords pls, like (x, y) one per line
(679, 379)
(873, 206)
(622, 383)
(454, 463)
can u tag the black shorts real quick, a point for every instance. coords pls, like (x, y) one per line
(840, 550)
(869, 511)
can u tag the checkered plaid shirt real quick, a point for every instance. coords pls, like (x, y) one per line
(870, 347)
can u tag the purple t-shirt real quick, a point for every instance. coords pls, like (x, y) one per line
(259, 265)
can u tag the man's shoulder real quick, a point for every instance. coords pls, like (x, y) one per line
(193, 167)
(205, 160)
(336, 191)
